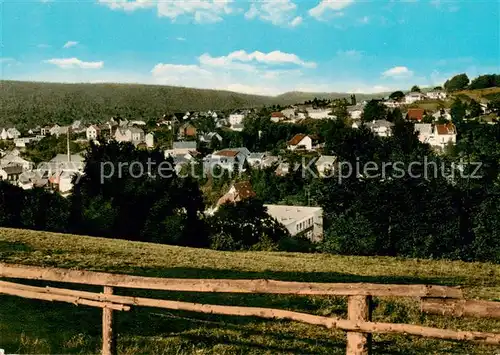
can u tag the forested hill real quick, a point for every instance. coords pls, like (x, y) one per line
(35, 103)
(28, 103)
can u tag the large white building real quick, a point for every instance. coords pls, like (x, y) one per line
(299, 220)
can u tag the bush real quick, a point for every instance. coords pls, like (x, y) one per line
(224, 242)
(296, 245)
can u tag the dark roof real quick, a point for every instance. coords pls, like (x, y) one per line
(244, 189)
(13, 169)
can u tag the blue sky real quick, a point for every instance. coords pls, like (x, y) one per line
(251, 46)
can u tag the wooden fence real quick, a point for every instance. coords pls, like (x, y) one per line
(434, 299)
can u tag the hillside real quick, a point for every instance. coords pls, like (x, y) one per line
(480, 95)
(41, 327)
(35, 103)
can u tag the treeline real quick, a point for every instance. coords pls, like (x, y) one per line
(462, 82)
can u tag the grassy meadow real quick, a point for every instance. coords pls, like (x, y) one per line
(39, 327)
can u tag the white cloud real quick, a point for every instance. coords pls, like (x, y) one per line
(180, 38)
(70, 44)
(201, 11)
(296, 21)
(278, 12)
(398, 73)
(271, 58)
(327, 8)
(70, 63)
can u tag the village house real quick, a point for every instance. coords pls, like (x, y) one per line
(413, 97)
(326, 165)
(444, 134)
(210, 137)
(319, 113)
(437, 95)
(289, 113)
(181, 149)
(226, 159)
(236, 118)
(239, 191)
(442, 115)
(425, 132)
(303, 142)
(277, 117)
(355, 111)
(415, 114)
(381, 128)
(11, 173)
(24, 141)
(13, 158)
(186, 130)
(92, 132)
(134, 135)
(300, 221)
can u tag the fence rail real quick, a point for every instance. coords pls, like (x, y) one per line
(435, 299)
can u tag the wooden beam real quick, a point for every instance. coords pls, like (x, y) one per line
(328, 322)
(232, 286)
(68, 298)
(358, 309)
(108, 341)
(461, 308)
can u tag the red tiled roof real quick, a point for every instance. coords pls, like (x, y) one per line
(415, 114)
(243, 191)
(227, 153)
(445, 129)
(296, 139)
(277, 114)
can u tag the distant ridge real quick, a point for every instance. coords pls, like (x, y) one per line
(38, 103)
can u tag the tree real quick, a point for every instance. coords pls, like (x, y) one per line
(374, 110)
(485, 81)
(245, 223)
(475, 109)
(415, 88)
(353, 99)
(397, 95)
(458, 82)
(458, 110)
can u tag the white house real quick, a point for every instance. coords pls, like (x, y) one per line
(299, 220)
(14, 159)
(150, 140)
(289, 113)
(320, 113)
(413, 97)
(302, 142)
(437, 95)
(236, 119)
(355, 111)
(92, 132)
(381, 128)
(207, 138)
(130, 134)
(226, 159)
(13, 133)
(425, 132)
(326, 165)
(444, 134)
(181, 148)
(256, 159)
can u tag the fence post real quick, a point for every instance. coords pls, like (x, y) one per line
(108, 340)
(359, 309)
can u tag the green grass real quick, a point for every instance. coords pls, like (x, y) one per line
(30, 326)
